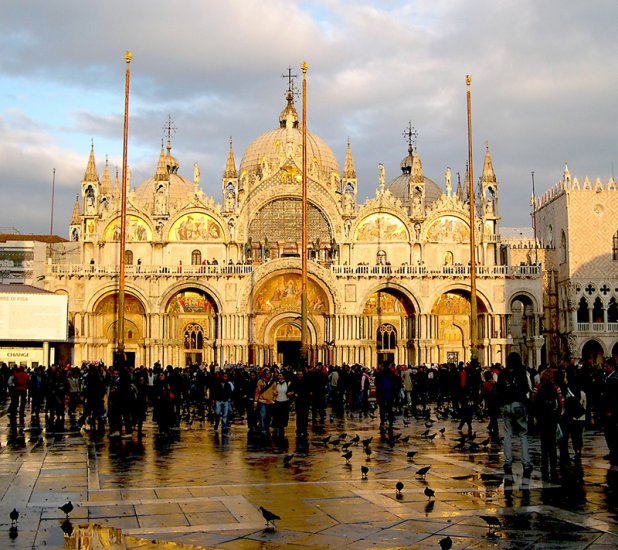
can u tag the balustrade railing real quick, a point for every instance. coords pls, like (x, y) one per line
(149, 270)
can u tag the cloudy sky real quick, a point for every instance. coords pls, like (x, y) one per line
(545, 75)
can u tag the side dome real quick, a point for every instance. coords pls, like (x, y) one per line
(282, 148)
(180, 190)
(400, 188)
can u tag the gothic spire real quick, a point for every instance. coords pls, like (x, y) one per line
(75, 218)
(417, 169)
(106, 186)
(230, 165)
(349, 172)
(116, 184)
(91, 174)
(489, 175)
(162, 173)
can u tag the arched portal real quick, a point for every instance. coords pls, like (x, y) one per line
(523, 328)
(592, 350)
(193, 324)
(388, 321)
(105, 320)
(277, 322)
(451, 319)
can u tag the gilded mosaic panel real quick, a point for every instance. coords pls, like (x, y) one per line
(190, 301)
(195, 227)
(381, 227)
(384, 303)
(137, 230)
(284, 292)
(448, 229)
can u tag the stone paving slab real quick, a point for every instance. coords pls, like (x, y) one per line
(201, 488)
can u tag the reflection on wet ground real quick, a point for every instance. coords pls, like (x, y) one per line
(200, 488)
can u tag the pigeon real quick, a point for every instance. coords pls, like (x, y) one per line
(411, 454)
(364, 472)
(288, 458)
(422, 472)
(367, 442)
(67, 527)
(405, 421)
(446, 543)
(429, 493)
(347, 456)
(368, 452)
(335, 443)
(405, 439)
(442, 430)
(425, 433)
(326, 439)
(492, 522)
(485, 442)
(347, 445)
(396, 436)
(343, 436)
(269, 516)
(356, 439)
(14, 516)
(432, 436)
(398, 487)
(67, 508)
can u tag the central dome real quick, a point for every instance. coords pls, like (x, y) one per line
(400, 187)
(281, 148)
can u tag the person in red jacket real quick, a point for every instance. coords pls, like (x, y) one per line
(19, 392)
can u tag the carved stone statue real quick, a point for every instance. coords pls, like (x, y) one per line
(248, 250)
(382, 172)
(196, 174)
(447, 181)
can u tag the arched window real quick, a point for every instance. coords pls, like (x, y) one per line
(194, 336)
(583, 315)
(563, 248)
(615, 246)
(612, 311)
(196, 257)
(387, 337)
(128, 257)
(597, 311)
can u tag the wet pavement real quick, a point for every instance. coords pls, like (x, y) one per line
(204, 489)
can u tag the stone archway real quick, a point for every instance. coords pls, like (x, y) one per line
(451, 325)
(105, 326)
(193, 327)
(388, 327)
(592, 350)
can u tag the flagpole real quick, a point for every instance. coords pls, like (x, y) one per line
(303, 303)
(474, 351)
(123, 217)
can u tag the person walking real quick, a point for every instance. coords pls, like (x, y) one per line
(547, 405)
(281, 406)
(221, 395)
(513, 388)
(265, 393)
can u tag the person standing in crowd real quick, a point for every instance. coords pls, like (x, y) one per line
(489, 395)
(141, 403)
(94, 404)
(248, 391)
(610, 410)
(299, 391)
(572, 421)
(221, 395)
(163, 404)
(513, 388)
(547, 405)
(264, 399)
(18, 388)
(406, 381)
(281, 406)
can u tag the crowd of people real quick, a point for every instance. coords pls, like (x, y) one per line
(557, 402)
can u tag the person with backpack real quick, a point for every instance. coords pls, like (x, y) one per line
(489, 395)
(513, 389)
(572, 421)
(547, 405)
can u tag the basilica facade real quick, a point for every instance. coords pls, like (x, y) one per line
(220, 282)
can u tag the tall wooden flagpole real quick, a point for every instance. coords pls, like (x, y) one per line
(303, 303)
(474, 348)
(120, 358)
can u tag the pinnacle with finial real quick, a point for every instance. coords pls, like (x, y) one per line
(411, 135)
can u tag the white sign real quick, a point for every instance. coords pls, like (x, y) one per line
(33, 317)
